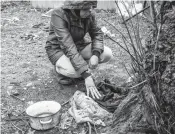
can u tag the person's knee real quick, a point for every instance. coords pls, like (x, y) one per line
(68, 72)
(64, 67)
(107, 54)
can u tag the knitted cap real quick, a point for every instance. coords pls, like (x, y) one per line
(79, 4)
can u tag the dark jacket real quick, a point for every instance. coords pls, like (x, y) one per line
(66, 36)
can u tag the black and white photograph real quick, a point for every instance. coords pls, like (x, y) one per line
(87, 67)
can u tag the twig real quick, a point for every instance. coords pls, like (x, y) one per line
(155, 122)
(95, 129)
(26, 122)
(133, 68)
(90, 128)
(18, 128)
(17, 118)
(169, 126)
(65, 103)
(162, 12)
(136, 14)
(116, 30)
(4, 129)
(125, 44)
(21, 112)
(153, 14)
(138, 57)
(128, 72)
(120, 46)
(123, 37)
(138, 84)
(23, 100)
(172, 124)
(154, 63)
(125, 50)
(129, 34)
(167, 131)
(138, 34)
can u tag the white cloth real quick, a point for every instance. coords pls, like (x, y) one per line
(85, 109)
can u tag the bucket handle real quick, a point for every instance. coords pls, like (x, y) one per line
(46, 122)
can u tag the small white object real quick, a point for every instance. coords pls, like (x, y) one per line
(104, 30)
(15, 19)
(29, 84)
(107, 32)
(131, 78)
(112, 35)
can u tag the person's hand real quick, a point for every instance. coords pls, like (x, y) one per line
(93, 62)
(91, 88)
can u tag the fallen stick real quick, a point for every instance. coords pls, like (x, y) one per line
(65, 103)
(90, 129)
(18, 128)
(95, 129)
(17, 118)
(21, 112)
(138, 84)
(136, 14)
(23, 100)
(124, 87)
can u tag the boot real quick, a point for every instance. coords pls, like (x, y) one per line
(63, 79)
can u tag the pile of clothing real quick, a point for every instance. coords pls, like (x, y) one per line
(112, 95)
(98, 112)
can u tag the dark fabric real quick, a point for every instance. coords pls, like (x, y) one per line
(96, 53)
(66, 36)
(110, 100)
(108, 105)
(85, 74)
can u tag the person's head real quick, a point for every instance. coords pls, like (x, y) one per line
(82, 8)
(85, 13)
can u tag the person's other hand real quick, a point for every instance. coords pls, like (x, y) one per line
(91, 88)
(93, 62)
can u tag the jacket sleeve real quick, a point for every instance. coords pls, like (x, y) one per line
(96, 36)
(66, 42)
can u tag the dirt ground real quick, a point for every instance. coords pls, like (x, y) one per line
(26, 68)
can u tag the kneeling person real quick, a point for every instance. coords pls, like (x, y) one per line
(69, 51)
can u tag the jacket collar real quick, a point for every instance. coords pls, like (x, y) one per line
(73, 15)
